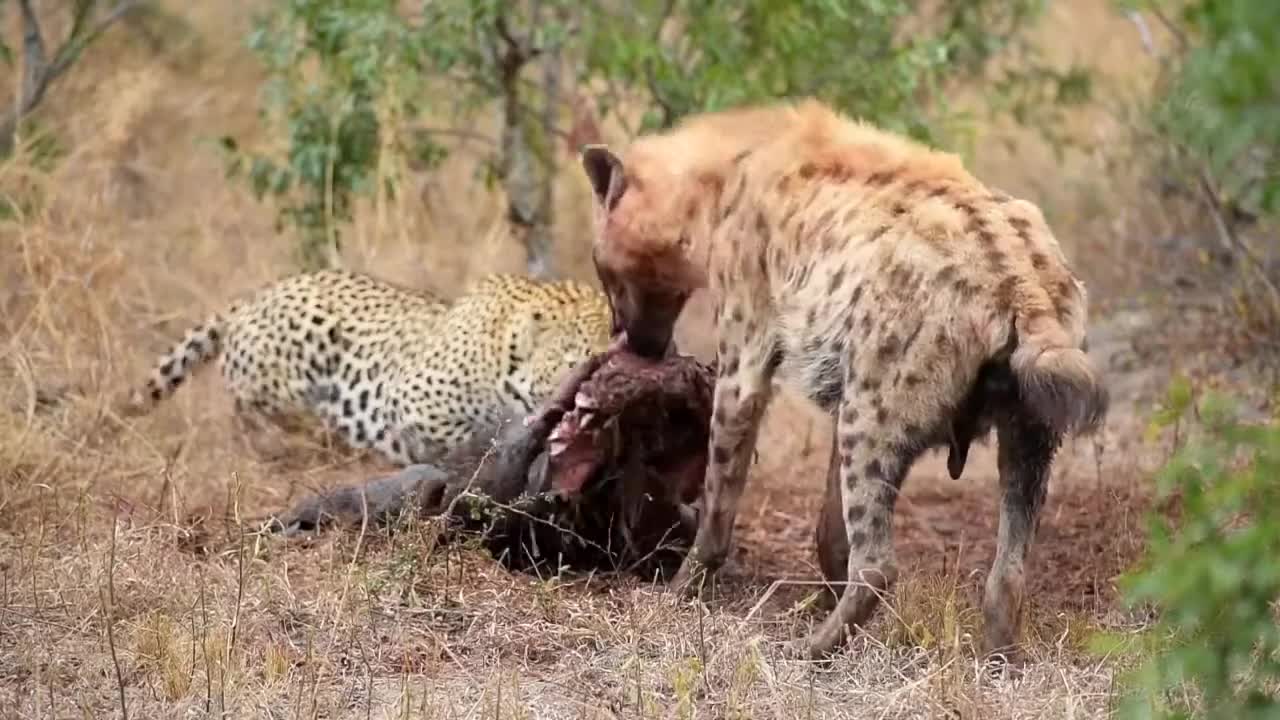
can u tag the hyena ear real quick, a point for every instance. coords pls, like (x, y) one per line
(605, 172)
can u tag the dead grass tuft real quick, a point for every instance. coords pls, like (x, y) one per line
(932, 612)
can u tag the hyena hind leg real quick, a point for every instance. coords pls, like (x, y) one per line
(1026, 450)
(831, 536)
(876, 450)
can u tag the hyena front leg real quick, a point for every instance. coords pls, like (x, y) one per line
(742, 391)
(1026, 453)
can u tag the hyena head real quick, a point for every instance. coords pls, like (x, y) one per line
(643, 248)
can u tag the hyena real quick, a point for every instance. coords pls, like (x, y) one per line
(914, 304)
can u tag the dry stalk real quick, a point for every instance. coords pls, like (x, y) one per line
(108, 609)
(204, 646)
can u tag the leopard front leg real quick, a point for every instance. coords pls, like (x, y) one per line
(742, 392)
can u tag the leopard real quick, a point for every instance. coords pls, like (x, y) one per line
(917, 306)
(403, 373)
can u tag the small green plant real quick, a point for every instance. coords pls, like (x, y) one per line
(686, 681)
(337, 72)
(1213, 575)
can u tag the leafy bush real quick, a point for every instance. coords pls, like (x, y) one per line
(1213, 575)
(1223, 102)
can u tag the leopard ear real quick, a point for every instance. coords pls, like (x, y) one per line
(604, 170)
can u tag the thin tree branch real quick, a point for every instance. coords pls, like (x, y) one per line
(518, 51)
(39, 73)
(651, 79)
(504, 32)
(1144, 32)
(108, 598)
(455, 133)
(1178, 36)
(34, 59)
(71, 50)
(1233, 242)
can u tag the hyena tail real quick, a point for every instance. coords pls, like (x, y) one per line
(1056, 379)
(201, 344)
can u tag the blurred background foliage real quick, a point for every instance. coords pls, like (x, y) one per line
(348, 78)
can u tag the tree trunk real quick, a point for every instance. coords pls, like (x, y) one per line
(542, 245)
(526, 163)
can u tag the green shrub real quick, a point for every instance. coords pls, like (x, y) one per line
(1213, 576)
(1222, 105)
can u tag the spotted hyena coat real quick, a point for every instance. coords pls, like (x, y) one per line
(914, 304)
(399, 371)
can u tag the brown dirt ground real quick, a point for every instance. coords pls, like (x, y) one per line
(942, 528)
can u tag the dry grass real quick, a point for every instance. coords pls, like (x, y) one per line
(123, 583)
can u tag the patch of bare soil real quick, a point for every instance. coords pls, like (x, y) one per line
(1088, 536)
(946, 529)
